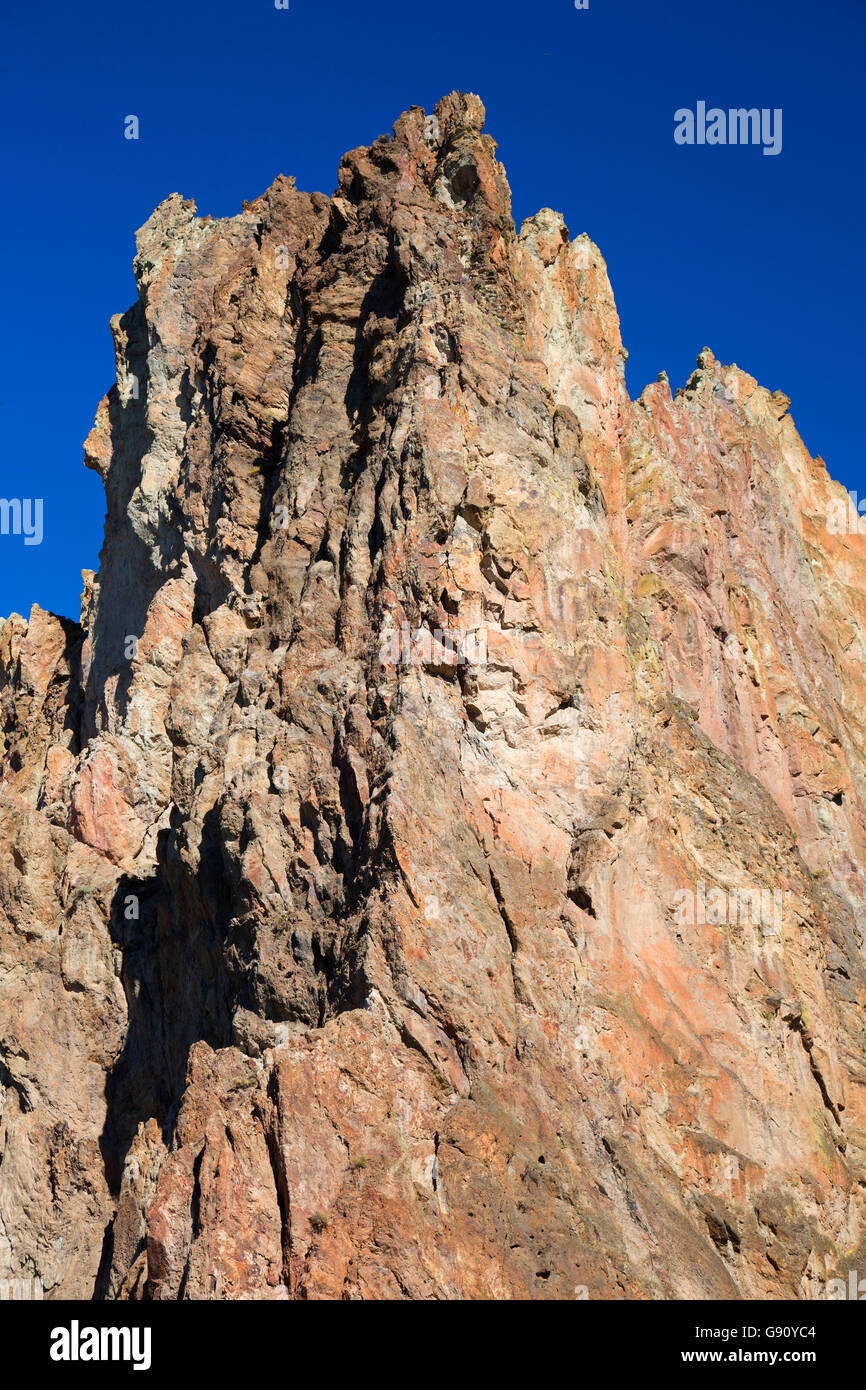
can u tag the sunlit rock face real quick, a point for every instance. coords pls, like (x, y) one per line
(434, 867)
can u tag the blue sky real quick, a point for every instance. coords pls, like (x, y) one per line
(759, 257)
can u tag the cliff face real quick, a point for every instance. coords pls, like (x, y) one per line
(434, 867)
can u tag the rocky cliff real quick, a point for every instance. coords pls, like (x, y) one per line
(433, 868)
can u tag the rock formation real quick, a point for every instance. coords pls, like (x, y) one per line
(376, 850)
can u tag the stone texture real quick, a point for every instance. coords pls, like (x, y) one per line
(325, 973)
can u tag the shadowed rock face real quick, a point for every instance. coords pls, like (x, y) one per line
(336, 965)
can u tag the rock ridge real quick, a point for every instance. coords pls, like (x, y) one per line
(435, 860)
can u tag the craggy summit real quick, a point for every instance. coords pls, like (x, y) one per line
(378, 904)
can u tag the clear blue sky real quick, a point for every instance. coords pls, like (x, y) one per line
(760, 258)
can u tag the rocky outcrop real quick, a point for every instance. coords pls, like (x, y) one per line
(435, 865)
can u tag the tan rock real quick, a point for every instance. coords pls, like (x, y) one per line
(334, 965)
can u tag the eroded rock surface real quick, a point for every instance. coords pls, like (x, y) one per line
(334, 964)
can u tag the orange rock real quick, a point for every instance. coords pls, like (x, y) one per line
(335, 967)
